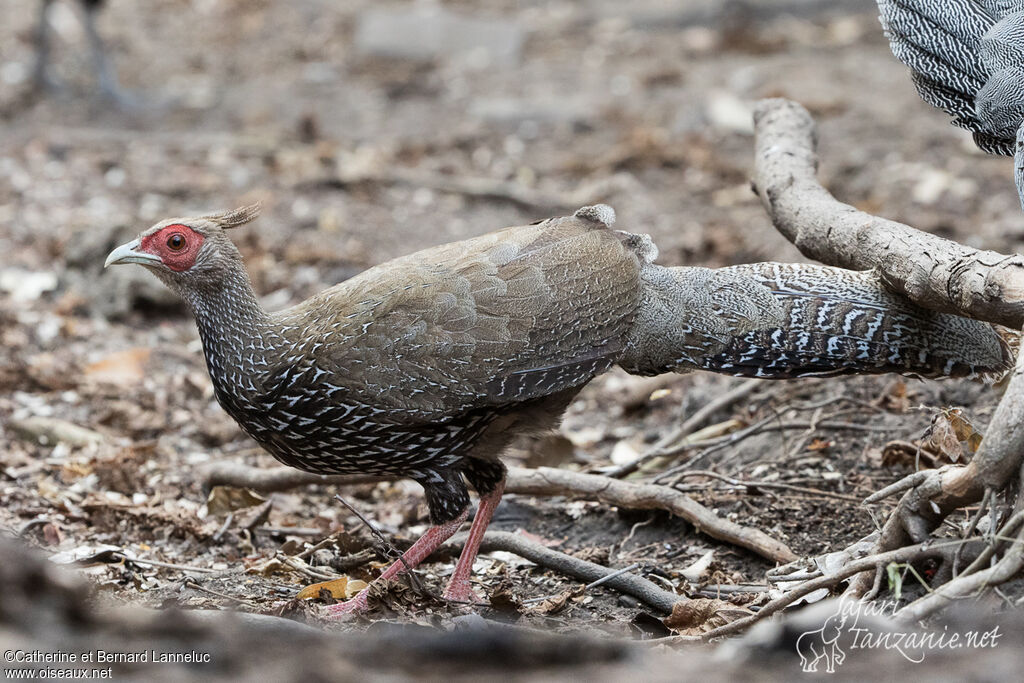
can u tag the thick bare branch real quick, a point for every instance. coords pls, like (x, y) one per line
(551, 481)
(1002, 450)
(936, 273)
(544, 481)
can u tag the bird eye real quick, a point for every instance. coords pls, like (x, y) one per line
(176, 242)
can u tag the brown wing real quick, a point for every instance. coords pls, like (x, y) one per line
(510, 316)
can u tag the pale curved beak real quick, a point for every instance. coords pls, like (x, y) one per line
(126, 253)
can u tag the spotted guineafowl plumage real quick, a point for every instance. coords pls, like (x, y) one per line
(967, 57)
(429, 365)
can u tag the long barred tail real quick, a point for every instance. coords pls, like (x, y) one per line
(779, 321)
(845, 322)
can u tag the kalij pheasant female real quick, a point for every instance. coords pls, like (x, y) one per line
(427, 366)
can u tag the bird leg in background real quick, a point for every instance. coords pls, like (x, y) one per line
(458, 587)
(106, 77)
(420, 550)
(41, 72)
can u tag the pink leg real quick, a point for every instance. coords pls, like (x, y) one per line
(419, 551)
(458, 587)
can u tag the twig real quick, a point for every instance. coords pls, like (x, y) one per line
(304, 568)
(768, 485)
(715, 590)
(640, 588)
(594, 584)
(552, 482)
(971, 526)
(904, 484)
(905, 554)
(289, 531)
(966, 584)
(388, 546)
(483, 187)
(767, 424)
(196, 586)
(691, 424)
(224, 527)
(1010, 527)
(165, 565)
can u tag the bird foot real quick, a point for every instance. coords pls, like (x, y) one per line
(460, 591)
(356, 605)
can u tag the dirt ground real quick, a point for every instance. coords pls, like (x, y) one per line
(354, 130)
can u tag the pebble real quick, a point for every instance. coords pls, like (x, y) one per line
(26, 285)
(432, 32)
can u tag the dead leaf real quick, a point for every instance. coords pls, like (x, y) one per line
(905, 454)
(123, 367)
(225, 499)
(342, 588)
(556, 603)
(502, 600)
(943, 440)
(271, 565)
(595, 554)
(895, 397)
(52, 534)
(694, 617)
(964, 430)
(974, 442)
(951, 434)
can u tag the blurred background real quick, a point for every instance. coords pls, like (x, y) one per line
(369, 130)
(359, 123)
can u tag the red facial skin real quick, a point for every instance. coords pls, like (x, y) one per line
(177, 260)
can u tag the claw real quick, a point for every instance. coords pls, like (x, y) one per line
(460, 591)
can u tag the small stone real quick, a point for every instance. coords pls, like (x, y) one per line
(25, 285)
(728, 112)
(432, 32)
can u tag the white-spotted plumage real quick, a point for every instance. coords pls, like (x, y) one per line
(428, 366)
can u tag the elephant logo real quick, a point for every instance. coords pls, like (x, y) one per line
(822, 645)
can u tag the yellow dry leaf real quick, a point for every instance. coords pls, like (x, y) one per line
(123, 367)
(961, 425)
(974, 442)
(341, 588)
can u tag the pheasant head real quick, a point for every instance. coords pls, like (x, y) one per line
(188, 254)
